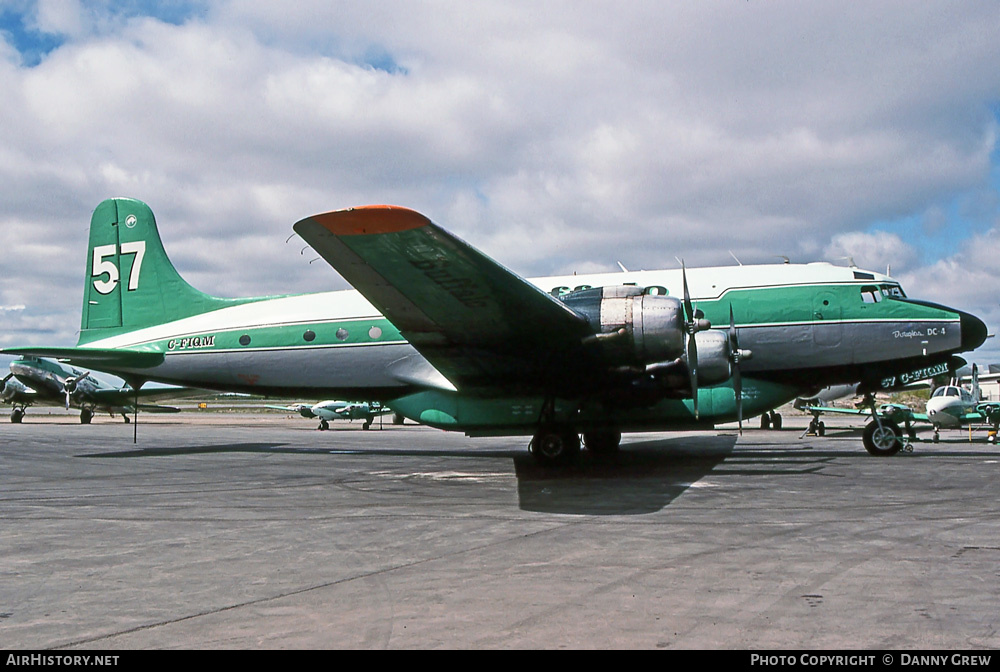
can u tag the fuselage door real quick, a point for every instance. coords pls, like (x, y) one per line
(828, 330)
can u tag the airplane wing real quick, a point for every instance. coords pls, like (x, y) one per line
(478, 323)
(894, 412)
(109, 360)
(126, 396)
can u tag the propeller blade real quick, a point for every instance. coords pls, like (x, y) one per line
(734, 349)
(688, 308)
(66, 389)
(691, 346)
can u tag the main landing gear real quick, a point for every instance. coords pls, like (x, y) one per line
(770, 420)
(16, 415)
(553, 446)
(816, 428)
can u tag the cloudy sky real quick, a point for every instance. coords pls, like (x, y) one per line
(555, 136)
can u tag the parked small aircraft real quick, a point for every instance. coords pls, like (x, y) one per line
(452, 339)
(35, 381)
(330, 410)
(950, 406)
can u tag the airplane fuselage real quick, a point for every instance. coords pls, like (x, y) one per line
(806, 325)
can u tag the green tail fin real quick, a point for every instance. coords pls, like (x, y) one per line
(130, 282)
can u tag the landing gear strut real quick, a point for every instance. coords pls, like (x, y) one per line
(16, 415)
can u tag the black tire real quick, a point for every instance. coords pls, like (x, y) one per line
(765, 421)
(397, 418)
(821, 429)
(883, 441)
(323, 425)
(776, 420)
(603, 441)
(16, 416)
(554, 447)
(86, 416)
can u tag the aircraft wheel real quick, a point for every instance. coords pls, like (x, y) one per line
(821, 429)
(125, 418)
(883, 441)
(397, 418)
(16, 415)
(554, 447)
(765, 421)
(323, 425)
(86, 416)
(603, 442)
(367, 425)
(776, 420)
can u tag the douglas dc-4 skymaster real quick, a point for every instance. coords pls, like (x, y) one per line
(454, 340)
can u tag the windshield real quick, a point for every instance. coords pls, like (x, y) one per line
(892, 291)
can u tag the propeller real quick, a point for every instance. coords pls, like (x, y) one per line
(69, 385)
(692, 325)
(736, 355)
(3, 385)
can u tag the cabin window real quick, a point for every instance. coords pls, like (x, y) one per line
(342, 334)
(309, 336)
(244, 339)
(374, 332)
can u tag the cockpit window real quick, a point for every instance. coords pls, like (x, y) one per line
(893, 291)
(871, 294)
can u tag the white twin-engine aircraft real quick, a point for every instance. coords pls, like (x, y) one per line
(450, 338)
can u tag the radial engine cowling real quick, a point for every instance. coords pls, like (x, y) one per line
(647, 333)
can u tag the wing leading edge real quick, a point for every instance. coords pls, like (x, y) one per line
(477, 322)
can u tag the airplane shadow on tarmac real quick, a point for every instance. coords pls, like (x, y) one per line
(643, 477)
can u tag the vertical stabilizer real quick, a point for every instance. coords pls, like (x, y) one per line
(130, 282)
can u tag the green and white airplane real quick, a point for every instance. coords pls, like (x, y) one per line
(452, 339)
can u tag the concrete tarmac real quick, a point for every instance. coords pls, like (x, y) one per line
(244, 531)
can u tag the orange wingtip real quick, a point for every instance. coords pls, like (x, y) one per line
(370, 219)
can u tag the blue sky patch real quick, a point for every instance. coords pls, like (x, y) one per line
(32, 44)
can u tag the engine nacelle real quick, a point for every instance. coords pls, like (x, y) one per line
(632, 327)
(715, 363)
(646, 333)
